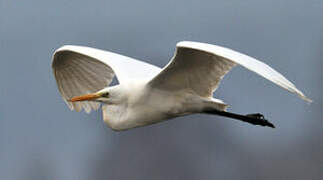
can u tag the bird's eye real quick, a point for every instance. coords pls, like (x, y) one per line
(105, 95)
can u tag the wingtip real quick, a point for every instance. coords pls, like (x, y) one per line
(308, 100)
(302, 96)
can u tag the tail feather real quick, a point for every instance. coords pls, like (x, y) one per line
(218, 104)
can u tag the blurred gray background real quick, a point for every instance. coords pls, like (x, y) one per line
(40, 138)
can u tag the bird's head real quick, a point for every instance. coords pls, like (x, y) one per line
(106, 95)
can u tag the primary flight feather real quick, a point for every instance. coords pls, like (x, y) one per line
(148, 94)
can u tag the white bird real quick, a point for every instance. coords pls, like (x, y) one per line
(147, 94)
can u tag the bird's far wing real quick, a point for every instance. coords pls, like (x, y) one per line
(81, 70)
(199, 67)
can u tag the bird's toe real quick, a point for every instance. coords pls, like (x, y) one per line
(256, 115)
(259, 119)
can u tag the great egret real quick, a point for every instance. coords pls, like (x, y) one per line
(148, 94)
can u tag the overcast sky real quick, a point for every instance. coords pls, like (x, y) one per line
(40, 138)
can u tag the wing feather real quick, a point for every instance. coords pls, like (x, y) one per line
(199, 67)
(81, 70)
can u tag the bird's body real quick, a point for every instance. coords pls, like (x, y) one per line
(147, 94)
(150, 105)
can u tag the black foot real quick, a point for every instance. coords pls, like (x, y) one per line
(259, 119)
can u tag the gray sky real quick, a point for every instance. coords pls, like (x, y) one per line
(40, 138)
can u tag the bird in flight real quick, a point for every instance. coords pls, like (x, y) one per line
(147, 94)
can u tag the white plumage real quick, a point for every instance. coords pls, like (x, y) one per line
(148, 94)
(80, 70)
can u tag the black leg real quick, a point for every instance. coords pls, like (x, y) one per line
(255, 119)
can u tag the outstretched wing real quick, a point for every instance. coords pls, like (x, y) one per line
(81, 70)
(199, 67)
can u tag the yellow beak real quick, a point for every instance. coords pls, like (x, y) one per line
(86, 97)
